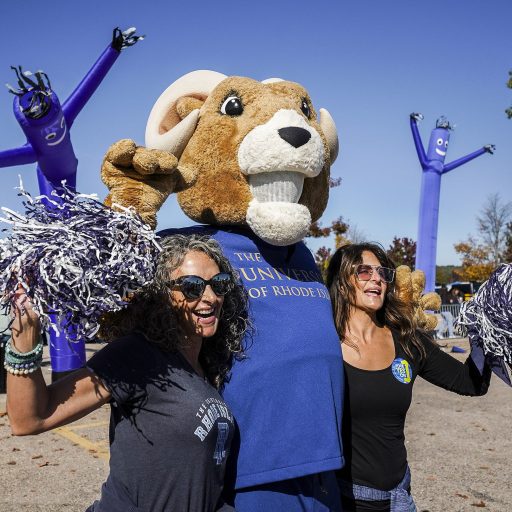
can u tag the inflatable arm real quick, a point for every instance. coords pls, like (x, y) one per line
(86, 88)
(417, 138)
(17, 156)
(460, 161)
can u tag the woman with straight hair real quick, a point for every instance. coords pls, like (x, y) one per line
(383, 353)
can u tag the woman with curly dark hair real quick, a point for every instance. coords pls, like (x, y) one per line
(169, 352)
(383, 353)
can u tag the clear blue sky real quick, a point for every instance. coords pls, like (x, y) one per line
(370, 63)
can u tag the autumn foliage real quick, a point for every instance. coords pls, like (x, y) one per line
(476, 261)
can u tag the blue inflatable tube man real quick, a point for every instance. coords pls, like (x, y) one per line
(46, 124)
(433, 166)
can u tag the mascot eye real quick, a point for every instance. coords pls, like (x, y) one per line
(232, 106)
(446, 144)
(439, 142)
(51, 136)
(305, 109)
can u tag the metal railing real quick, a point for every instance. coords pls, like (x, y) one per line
(454, 309)
(446, 318)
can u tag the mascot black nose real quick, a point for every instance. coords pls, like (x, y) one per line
(295, 136)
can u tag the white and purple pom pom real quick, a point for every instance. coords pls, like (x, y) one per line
(487, 317)
(76, 258)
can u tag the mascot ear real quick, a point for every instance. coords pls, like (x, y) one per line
(174, 116)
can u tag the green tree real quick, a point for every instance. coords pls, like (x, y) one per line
(322, 258)
(477, 261)
(446, 274)
(492, 225)
(339, 228)
(481, 255)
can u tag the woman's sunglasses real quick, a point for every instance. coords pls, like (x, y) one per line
(365, 272)
(193, 287)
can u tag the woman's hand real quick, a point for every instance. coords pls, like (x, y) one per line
(32, 406)
(25, 327)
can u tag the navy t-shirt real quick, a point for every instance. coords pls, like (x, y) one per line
(287, 393)
(170, 431)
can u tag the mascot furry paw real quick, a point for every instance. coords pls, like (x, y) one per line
(409, 288)
(140, 178)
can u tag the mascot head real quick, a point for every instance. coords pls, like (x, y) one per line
(254, 153)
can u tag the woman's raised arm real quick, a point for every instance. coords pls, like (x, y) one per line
(32, 406)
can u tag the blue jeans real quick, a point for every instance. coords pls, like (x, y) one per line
(400, 498)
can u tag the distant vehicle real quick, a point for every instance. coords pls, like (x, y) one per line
(466, 288)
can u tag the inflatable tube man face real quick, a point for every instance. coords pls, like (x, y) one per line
(255, 152)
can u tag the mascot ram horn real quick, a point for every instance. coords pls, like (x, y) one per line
(249, 152)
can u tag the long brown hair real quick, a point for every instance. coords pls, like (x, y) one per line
(394, 313)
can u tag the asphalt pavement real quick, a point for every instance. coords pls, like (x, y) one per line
(460, 453)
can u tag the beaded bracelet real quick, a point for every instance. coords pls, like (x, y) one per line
(23, 363)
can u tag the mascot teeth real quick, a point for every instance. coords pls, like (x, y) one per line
(280, 145)
(280, 186)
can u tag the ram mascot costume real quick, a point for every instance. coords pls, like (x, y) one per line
(250, 163)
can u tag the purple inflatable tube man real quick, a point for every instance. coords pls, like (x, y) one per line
(46, 124)
(433, 166)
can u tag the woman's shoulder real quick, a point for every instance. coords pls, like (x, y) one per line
(424, 344)
(427, 340)
(131, 342)
(127, 350)
(130, 363)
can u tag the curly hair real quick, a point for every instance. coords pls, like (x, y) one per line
(150, 311)
(394, 313)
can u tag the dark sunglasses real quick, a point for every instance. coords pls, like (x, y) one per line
(365, 272)
(193, 287)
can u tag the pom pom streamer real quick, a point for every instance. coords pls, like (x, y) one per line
(76, 258)
(487, 317)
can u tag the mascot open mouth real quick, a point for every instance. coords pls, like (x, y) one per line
(277, 186)
(276, 157)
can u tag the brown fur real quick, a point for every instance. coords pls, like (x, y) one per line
(409, 288)
(220, 193)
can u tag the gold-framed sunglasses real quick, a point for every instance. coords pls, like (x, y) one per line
(364, 272)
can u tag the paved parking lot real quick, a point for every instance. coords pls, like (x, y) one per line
(460, 452)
